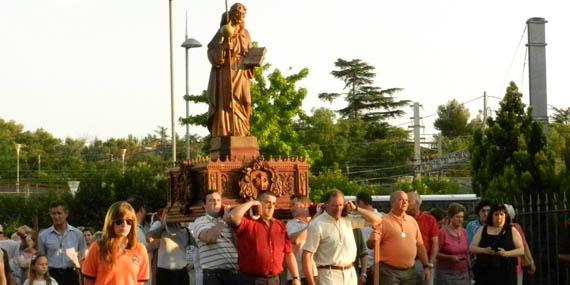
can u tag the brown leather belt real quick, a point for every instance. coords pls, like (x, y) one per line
(334, 267)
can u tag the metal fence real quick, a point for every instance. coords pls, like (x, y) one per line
(31, 188)
(544, 219)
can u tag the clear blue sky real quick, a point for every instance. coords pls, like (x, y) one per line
(99, 68)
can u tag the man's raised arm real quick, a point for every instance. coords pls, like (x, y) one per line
(238, 211)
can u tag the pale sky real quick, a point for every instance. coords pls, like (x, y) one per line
(100, 68)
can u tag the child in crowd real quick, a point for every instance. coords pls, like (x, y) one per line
(39, 274)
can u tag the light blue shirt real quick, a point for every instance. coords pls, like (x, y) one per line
(141, 235)
(471, 229)
(62, 251)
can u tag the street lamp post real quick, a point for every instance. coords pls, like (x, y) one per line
(123, 153)
(172, 121)
(18, 147)
(188, 44)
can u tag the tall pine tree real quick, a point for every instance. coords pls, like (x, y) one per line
(511, 156)
(365, 102)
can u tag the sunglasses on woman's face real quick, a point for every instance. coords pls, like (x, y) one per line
(119, 222)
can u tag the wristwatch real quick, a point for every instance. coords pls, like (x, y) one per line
(428, 265)
(295, 277)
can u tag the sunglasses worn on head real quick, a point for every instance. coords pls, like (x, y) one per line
(120, 222)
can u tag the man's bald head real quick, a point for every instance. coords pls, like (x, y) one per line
(399, 202)
(415, 201)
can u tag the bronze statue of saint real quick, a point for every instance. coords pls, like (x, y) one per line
(229, 94)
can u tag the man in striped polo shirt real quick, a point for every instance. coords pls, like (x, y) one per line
(218, 254)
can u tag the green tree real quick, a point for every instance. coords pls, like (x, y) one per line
(510, 157)
(561, 115)
(277, 102)
(366, 102)
(363, 149)
(200, 119)
(452, 119)
(334, 179)
(430, 185)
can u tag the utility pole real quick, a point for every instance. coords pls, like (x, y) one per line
(417, 140)
(18, 147)
(440, 146)
(484, 109)
(172, 116)
(123, 153)
(187, 103)
(188, 44)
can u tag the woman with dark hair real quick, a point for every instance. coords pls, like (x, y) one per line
(118, 258)
(482, 211)
(497, 247)
(453, 256)
(88, 234)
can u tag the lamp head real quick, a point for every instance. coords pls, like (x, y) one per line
(191, 43)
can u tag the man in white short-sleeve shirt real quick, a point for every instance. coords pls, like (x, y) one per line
(330, 241)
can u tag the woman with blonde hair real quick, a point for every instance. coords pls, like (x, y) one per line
(118, 258)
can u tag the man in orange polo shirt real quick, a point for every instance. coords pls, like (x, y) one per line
(400, 242)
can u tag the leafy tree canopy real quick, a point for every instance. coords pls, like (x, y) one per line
(452, 119)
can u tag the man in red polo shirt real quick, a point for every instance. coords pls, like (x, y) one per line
(430, 234)
(262, 244)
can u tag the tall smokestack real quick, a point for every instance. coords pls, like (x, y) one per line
(537, 69)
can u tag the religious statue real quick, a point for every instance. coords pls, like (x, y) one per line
(229, 94)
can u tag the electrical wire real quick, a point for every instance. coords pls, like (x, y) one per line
(512, 62)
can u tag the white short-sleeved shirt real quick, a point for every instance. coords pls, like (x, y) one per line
(172, 250)
(294, 226)
(332, 241)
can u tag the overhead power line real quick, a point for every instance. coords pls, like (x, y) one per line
(504, 83)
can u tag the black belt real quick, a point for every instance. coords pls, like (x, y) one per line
(221, 270)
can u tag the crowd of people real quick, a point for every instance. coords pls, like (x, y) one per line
(328, 243)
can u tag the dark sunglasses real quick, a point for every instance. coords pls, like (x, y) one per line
(120, 222)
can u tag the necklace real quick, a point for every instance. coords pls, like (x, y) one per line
(400, 222)
(456, 233)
